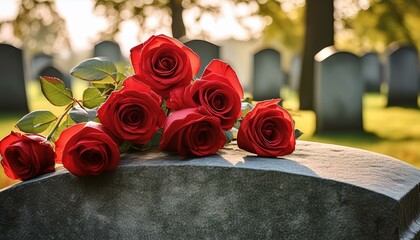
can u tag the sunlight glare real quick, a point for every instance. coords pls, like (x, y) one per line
(82, 24)
(9, 9)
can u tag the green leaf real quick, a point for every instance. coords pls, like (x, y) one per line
(92, 97)
(154, 142)
(120, 79)
(95, 69)
(248, 100)
(237, 124)
(298, 133)
(36, 121)
(229, 136)
(55, 91)
(79, 115)
(125, 146)
(104, 88)
(64, 125)
(246, 107)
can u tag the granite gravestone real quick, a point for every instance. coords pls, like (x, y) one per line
(39, 62)
(207, 51)
(338, 91)
(108, 49)
(52, 71)
(402, 73)
(239, 55)
(268, 77)
(371, 72)
(320, 191)
(12, 80)
(295, 68)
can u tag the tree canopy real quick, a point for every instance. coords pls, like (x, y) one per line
(361, 25)
(374, 24)
(39, 27)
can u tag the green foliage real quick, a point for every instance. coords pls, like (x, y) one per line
(286, 22)
(119, 11)
(39, 27)
(36, 121)
(383, 22)
(298, 133)
(64, 125)
(246, 107)
(154, 142)
(229, 136)
(55, 91)
(95, 69)
(92, 97)
(103, 88)
(125, 146)
(79, 115)
(99, 70)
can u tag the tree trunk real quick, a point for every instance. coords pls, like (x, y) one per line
(177, 26)
(319, 34)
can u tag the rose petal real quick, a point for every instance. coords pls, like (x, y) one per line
(219, 67)
(9, 139)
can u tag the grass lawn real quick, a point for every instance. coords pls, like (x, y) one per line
(391, 131)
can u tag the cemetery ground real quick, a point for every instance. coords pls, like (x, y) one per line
(393, 131)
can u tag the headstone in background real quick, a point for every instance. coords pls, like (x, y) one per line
(268, 77)
(108, 49)
(294, 78)
(338, 91)
(39, 62)
(12, 80)
(51, 71)
(402, 76)
(207, 51)
(371, 72)
(239, 55)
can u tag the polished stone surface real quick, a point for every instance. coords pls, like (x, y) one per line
(320, 191)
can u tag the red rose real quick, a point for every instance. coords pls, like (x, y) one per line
(86, 149)
(164, 63)
(26, 156)
(221, 68)
(191, 132)
(133, 113)
(177, 99)
(267, 130)
(218, 90)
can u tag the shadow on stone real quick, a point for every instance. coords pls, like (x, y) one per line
(319, 192)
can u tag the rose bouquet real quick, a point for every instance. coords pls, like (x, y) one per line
(161, 104)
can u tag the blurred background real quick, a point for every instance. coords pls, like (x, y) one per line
(381, 38)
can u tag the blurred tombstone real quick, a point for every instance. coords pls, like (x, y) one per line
(239, 56)
(338, 91)
(371, 72)
(39, 62)
(402, 74)
(108, 49)
(207, 51)
(51, 71)
(12, 80)
(268, 77)
(295, 67)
